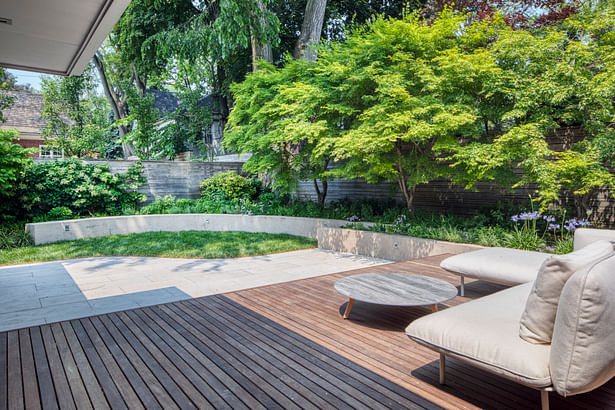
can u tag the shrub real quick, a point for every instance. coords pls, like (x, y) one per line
(13, 162)
(564, 245)
(159, 206)
(59, 212)
(86, 189)
(13, 236)
(230, 185)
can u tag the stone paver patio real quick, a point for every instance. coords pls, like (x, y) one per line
(48, 292)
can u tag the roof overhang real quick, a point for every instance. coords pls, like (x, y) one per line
(55, 36)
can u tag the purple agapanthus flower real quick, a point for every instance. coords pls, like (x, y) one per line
(526, 216)
(549, 218)
(353, 218)
(576, 223)
(553, 227)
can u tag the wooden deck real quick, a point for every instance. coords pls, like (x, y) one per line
(281, 346)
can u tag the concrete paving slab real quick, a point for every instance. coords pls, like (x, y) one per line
(57, 290)
(112, 304)
(67, 311)
(54, 291)
(62, 299)
(20, 319)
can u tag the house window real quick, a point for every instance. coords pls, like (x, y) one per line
(48, 152)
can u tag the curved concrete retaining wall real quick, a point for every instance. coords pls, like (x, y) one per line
(385, 245)
(49, 232)
(330, 235)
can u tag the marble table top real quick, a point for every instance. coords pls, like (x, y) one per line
(395, 289)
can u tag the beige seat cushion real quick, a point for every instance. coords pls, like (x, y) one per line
(585, 236)
(539, 314)
(583, 348)
(485, 333)
(501, 265)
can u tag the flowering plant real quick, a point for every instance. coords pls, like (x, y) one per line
(531, 229)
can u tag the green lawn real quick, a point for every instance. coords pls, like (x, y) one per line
(189, 244)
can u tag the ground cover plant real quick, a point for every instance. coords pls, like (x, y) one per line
(188, 244)
(13, 235)
(508, 225)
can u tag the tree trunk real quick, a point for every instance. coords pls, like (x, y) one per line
(322, 194)
(259, 50)
(408, 192)
(582, 204)
(311, 30)
(139, 83)
(117, 106)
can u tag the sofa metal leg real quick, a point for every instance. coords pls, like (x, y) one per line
(462, 287)
(544, 399)
(442, 368)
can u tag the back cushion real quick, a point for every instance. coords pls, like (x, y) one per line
(585, 236)
(583, 347)
(539, 315)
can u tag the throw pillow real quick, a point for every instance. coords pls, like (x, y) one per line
(539, 316)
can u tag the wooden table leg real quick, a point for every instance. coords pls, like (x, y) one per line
(348, 308)
(434, 308)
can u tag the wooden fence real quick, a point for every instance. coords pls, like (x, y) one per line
(182, 180)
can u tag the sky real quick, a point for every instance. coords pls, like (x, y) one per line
(27, 77)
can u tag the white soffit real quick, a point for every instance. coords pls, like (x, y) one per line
(55, 36)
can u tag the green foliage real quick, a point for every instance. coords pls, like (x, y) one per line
(387, 102)
(229, 185)
(189, 127)
(85, 189)
(7, 82)
(407, 91)
(13, 235)
(59, 213)
(148, 141)
(527, 239)
(410, 101)
(188, 244)
(13, 161)
(555, 78)
(159, 206)
(142, 20)
(563, 245)
(215, 34)
(277, 118)
(340, 18)
(77, 120)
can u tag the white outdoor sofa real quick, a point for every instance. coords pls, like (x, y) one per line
(489, 332)
(511, 266)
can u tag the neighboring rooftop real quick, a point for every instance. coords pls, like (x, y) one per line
(25, 114)
(165, 102)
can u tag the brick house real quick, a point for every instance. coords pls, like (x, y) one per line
(25, 117)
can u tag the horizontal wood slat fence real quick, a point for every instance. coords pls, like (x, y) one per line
(182, 179)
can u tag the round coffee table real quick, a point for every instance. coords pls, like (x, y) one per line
(394, 289)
